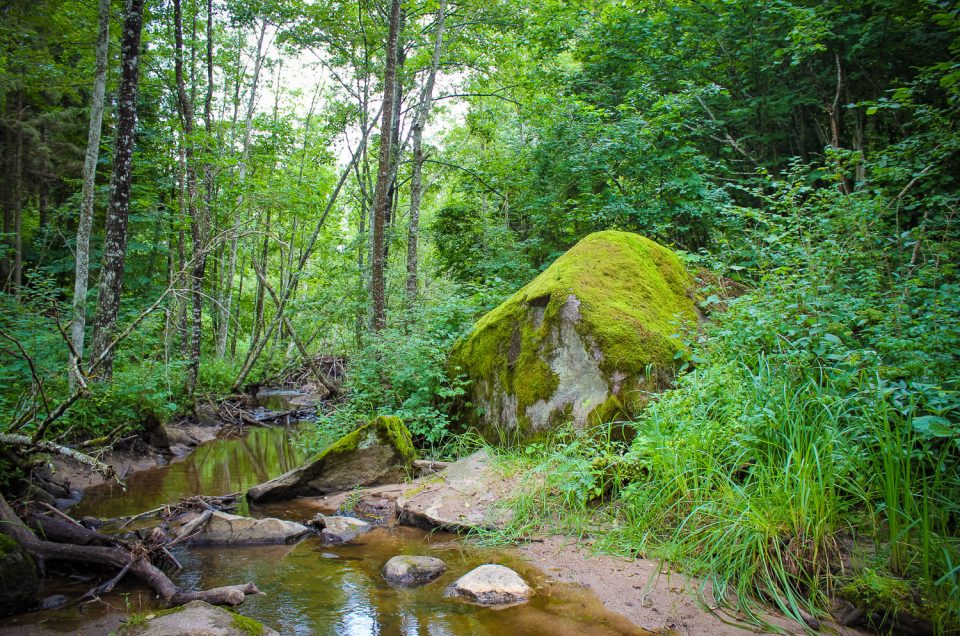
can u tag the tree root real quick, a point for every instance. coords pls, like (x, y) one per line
(134, 561)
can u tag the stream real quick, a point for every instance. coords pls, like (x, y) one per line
(311, 587)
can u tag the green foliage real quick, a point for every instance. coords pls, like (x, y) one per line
(403, 372)
(823, 405)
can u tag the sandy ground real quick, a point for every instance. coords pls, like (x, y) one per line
(651, 596)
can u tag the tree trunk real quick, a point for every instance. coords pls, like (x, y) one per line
(416, 177)
(242, 176)
(382, 189)
(115, 241)
(198, 262)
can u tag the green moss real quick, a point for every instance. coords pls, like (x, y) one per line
(387, 429)
(391, 430)
(7, 545)
(880, 593)
(633, 294)
(247, 625)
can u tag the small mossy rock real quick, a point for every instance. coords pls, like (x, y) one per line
(582, 343)
(411, 571)
(491, 585)
(380, 452)
(199, 619)
(18, 577)
(340, 529)
(224, 528)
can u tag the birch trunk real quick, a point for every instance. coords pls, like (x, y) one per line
(115, 241)
(242, 177)
(416, 177)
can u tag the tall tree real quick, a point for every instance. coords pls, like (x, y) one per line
(227, 296)
(381, 195)
(416, 177)
(82, 249)
(198, 262)
(115, 240)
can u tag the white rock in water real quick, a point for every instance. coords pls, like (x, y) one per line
(227, 528)
(491, 585)
(340, 529)
(413, 570)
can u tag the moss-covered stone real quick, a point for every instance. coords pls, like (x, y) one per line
(376, 453)
(18, 577)
(584, 342)
(195, 617)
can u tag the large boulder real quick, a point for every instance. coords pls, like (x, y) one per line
(380, 452)
(584, 342)
(18, 577)
(224, 528)
(198, 619)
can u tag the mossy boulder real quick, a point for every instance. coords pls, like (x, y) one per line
(18, 577)
(198, 619)
(584, 342)
(380, 452)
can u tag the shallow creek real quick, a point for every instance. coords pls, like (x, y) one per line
(310, 587)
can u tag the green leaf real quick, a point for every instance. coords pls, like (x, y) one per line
(934, 426)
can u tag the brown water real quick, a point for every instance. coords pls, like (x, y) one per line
(310, 587)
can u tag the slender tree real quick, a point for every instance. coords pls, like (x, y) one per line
(115, 241)
(382, 189)
(198, 262)
(416, 177)
(82, 250)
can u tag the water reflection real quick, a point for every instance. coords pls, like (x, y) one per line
(218, 467)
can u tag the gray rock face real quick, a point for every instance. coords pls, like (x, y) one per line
(491, 585)
(380, 452)
(200, 619)
(227, 528)
(340, 529)
(460, 498)
(413, 570)
(18, 577)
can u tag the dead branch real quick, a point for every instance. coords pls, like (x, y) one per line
(117, 558)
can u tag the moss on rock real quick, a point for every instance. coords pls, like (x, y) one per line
(378, 452)
(583, 342)
(19, 580)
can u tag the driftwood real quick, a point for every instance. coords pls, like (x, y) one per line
(133, 560)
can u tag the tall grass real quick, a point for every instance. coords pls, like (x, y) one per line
(766, 483)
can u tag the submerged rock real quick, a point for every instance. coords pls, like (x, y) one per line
(413, 570)
(18, 577)
(54, 601)
(234, 529)
(380, 452)
(585, 341)
(491, 585)
(460, 498)
(340, 529)
(199, 619)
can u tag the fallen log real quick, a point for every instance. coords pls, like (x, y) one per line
(118, 558)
